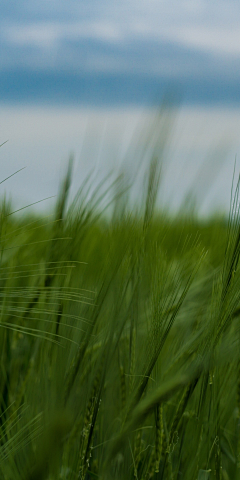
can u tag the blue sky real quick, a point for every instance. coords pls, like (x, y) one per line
(95, 52)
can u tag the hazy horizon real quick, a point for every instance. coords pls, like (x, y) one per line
(198, 157)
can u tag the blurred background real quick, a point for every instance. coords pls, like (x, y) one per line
(89, 78)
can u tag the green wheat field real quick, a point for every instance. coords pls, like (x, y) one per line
(119, 339)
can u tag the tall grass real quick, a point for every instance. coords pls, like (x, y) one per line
(119, 340)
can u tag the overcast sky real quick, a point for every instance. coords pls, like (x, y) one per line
(59, 60)
(119, 52)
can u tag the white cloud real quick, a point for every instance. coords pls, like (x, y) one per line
(48, 34)
(130, 35)
(218, 40)
(209, 39)
(200, 24)
(40, 35)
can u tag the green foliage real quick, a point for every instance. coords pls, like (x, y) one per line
(119, 341)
